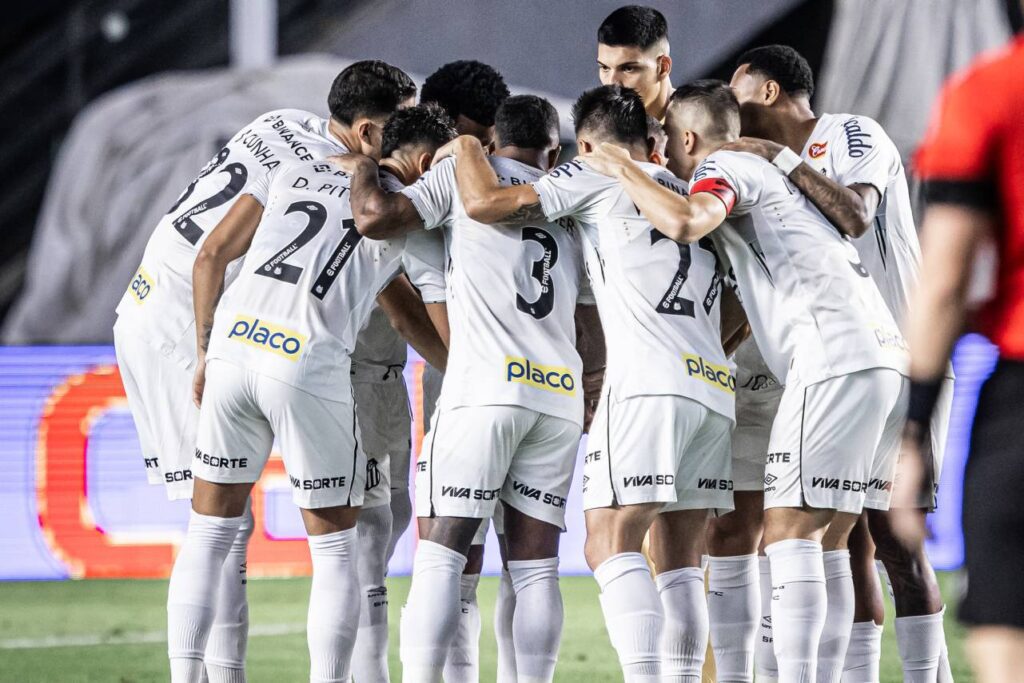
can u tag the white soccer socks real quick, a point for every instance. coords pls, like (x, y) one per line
(633, 615)
(229, 635)
(835, 636)
(733, 610)
(192, 593)
(463, 665)
(370, 655)
(920, 640)
(537, 623)
(765, 666)
(504, 612)
(684, 636)
(431, 614)
(799, 603)
(334, 606)
(864, 653)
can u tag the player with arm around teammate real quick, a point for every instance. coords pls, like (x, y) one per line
(278, 370)
(154, 336)
(825, 332)
(850, 169)
(658, 445)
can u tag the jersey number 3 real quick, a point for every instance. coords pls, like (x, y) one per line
(540, 271)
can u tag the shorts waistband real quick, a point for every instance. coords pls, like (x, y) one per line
(371, 372)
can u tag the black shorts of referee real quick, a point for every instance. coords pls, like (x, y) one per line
(993, 505)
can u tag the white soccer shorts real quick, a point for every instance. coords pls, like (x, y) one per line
(382, 409)
(658, 449)
(159, 392)
(835, 443)
(476, 455)
(242, 414)
(755, 413)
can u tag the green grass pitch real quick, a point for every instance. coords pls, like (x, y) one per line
(108, 619)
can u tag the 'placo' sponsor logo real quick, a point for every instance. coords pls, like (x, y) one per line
(268, 337)
(141, 286)
(717, 376)
(546, 377)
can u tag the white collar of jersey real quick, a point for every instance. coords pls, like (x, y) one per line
(325, 131)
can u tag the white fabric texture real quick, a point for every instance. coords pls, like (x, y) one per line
(632, 614)
(734, 602)
(334, 598)
(538, 618)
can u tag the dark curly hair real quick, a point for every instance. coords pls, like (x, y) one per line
(527, 121)
(423, 124)
(369, 88)
(613, 110)
(466, 87)
(633, 26)
(782, 64)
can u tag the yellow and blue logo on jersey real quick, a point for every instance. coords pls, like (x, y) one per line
(546, 377)
(268, 337)
(718, 376)
(141, 286)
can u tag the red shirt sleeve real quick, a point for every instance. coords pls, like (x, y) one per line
(961, 138)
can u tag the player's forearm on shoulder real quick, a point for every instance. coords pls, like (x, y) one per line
(843, 207)
(483, 198)
(379, 214)
(950, 238)
(667, 211)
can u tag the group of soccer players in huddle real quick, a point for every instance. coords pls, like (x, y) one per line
(721, 314)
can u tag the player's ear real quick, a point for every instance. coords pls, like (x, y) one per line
(423, 163)
(553, 156)
(664, 66)
(584, 146)
(770, 92)
(689, 141)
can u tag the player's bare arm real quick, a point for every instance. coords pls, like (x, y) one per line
(484, 199)
(683, 219)
(851, 209)
(734, 321)
(407, 314)
(590, 345)
(438, 313)
(227, 242)
(378, 214)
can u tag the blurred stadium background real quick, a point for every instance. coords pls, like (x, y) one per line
(108, 107)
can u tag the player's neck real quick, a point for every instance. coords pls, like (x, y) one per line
(659, 105)
(531, 157)
(343, 134)
(399, 169)
(793, 125)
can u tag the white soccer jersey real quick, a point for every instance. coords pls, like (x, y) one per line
(855, 150)
(159, 298)
(658, 300)
(513, 293)
(753, 376)
(306, 285)
(425, 263)
(810, 302)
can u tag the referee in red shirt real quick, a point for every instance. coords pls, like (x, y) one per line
(972, 164)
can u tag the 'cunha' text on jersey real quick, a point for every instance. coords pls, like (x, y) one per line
(158, 302)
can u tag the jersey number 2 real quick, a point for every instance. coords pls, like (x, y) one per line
(237, 176)
(672, 303)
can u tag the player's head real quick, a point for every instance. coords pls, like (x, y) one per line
(632, 50)
(529, 123)
(611, 113)
(702, 116)
(657, 140)
(362, 98)
(412, 135)
(471, 92)
(768, 79)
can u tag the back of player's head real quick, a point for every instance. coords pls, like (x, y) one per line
(782, 64)
(424, 124)
(611, 112)
(468, 88)
(656, 133)
(370, 89)
(710, 106)
(633, 26)
(527, 121)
